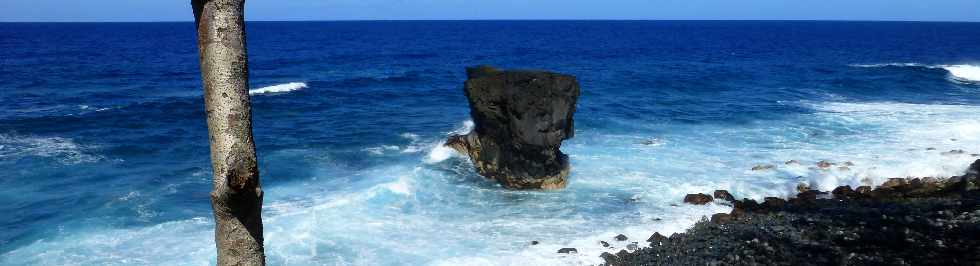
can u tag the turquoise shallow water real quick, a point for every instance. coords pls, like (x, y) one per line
(103, 144)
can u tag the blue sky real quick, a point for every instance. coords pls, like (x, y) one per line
(179, 10)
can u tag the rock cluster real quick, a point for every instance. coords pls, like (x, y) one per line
(520, 119)
(918, 221)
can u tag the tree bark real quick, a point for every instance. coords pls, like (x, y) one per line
(237, 195)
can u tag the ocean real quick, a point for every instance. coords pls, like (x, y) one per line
(104, 150)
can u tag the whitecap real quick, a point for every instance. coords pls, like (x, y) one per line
(966, 73)
(279, 88)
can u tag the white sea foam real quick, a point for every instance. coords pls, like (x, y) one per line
(279, 88)
(64, 150)
(440, 152)
(445, 214)
(967, 73)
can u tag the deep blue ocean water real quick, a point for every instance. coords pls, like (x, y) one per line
(104, 156)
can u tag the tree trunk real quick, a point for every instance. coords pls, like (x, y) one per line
(237, 195)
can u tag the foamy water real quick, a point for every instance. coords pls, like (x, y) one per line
(435, 210)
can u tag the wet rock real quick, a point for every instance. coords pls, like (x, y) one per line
(974, 168)
(535, 242)
(802, 187)
(774, 202)
(621, 237)
(894, 182)
(721, 218)
(823, 164)
(762, 167)
(843, 168)
(792, 162)
(953, 152)
(604, 244)
(697, 199)
(844, 192)
(651, 142)
(919, 221)
(930, 149)
(632, 246)
(520, 119)
(724, 195)
(809, 195)
(848, 163)
(656, 238)
(567, 251)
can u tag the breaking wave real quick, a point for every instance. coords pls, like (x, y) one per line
(961, 72)
(279, 88)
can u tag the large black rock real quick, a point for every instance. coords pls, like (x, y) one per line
(520, 118)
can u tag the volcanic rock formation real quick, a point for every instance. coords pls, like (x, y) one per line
(520, 119)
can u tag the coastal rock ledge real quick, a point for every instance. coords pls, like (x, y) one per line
(520, 119)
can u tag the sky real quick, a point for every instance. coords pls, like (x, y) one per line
(279, 10)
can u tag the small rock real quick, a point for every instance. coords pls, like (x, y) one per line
(610, 258)
(568, 251)
(761, 167)
(894, 182)
(651, 142)
(535, 242)
(656, 238)
(974, 168)
(930, 149)
(843, 168)
(773, 202)
(791, 162)
(808, 195)
(802, 187)
(621, 237)
(848, 163)
(953, 152)
(724, 195)
(824, 164)
(721, 218)
(863, 189)
(632, 246)
(844, 192)
(604, 244)
(697, 199)
(975, 154)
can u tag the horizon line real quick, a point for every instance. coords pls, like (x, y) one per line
(463, 20)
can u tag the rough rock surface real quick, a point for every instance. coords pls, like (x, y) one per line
(923, 221)
(520, 119)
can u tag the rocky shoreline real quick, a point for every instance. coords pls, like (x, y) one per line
(914, 221)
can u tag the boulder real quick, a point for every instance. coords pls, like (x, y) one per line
(894, 182)
(567, 250)
(844, 192)
(974, 168)
(621, 237)
(520, 119)
(724, 195)
(721, 218)
(697, 199)
(656, 238)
